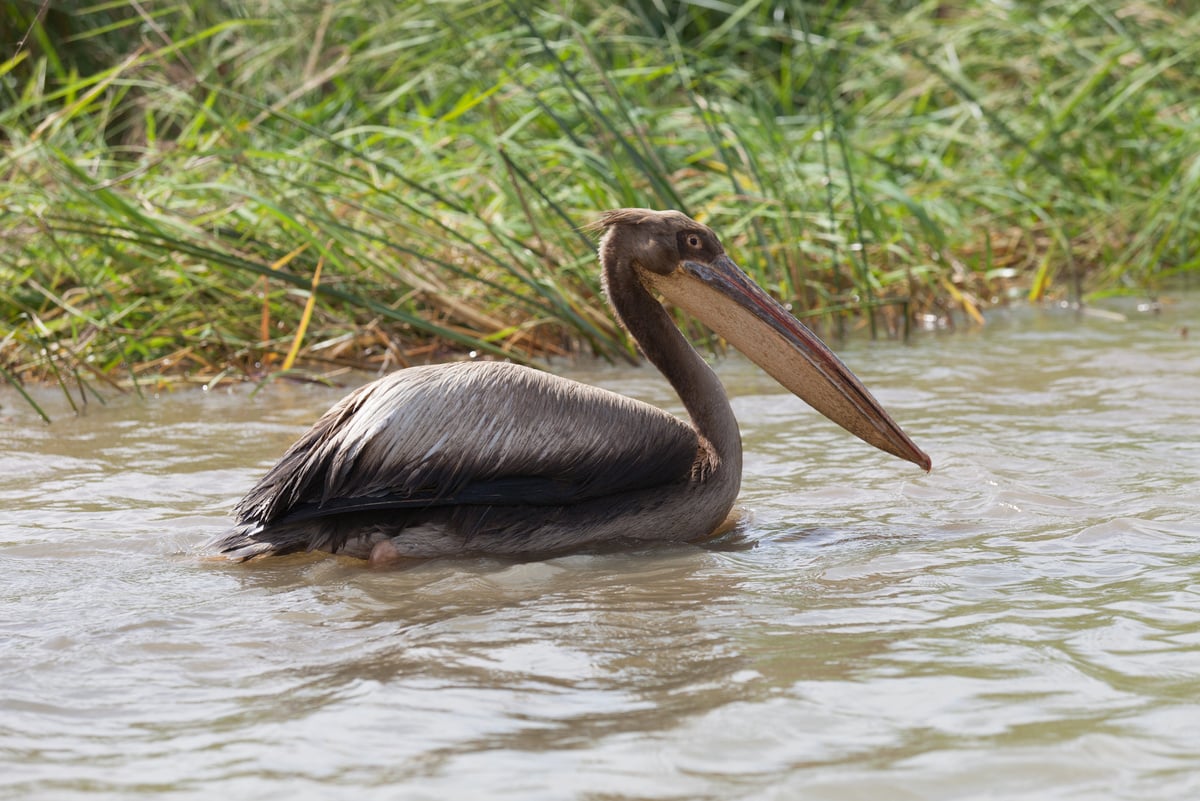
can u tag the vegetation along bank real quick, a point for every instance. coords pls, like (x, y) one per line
(219, 191)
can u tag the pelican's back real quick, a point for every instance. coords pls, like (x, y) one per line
(459, 435)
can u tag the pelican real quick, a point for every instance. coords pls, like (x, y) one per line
(497, 458)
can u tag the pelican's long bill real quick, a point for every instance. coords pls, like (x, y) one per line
(725, 299)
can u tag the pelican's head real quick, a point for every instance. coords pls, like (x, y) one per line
(684, 261)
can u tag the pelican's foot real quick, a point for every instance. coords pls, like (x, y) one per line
(385, 553)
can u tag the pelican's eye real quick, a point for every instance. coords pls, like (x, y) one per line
(696, 246)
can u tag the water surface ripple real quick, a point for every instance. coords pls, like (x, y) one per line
(1023, 622)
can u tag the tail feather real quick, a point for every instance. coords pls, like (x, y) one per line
(248, 540)
(345, 534)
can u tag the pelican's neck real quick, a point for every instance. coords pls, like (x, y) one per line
(667, 349)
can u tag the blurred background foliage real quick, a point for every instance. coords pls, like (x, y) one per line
(207, 191)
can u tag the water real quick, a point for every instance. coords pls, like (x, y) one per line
(1023, 622)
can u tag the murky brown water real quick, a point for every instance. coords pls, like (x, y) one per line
(1024, 622)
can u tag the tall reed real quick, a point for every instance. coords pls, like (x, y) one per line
(173, 175)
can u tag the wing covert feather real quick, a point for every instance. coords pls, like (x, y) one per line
(464, 432)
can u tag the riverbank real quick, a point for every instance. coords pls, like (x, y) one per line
(217, 192)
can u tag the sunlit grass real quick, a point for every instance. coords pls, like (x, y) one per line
(173, 176)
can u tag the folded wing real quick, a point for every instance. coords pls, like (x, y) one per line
(471, 434)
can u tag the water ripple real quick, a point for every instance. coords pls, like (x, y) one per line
(1024, 621)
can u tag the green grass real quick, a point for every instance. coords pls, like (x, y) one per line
(172, 174)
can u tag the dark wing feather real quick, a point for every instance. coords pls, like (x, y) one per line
(506, 491)
(471, 434)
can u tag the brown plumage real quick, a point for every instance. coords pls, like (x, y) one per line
(499, 458)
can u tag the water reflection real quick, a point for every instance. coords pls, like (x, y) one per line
(1020, 622)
